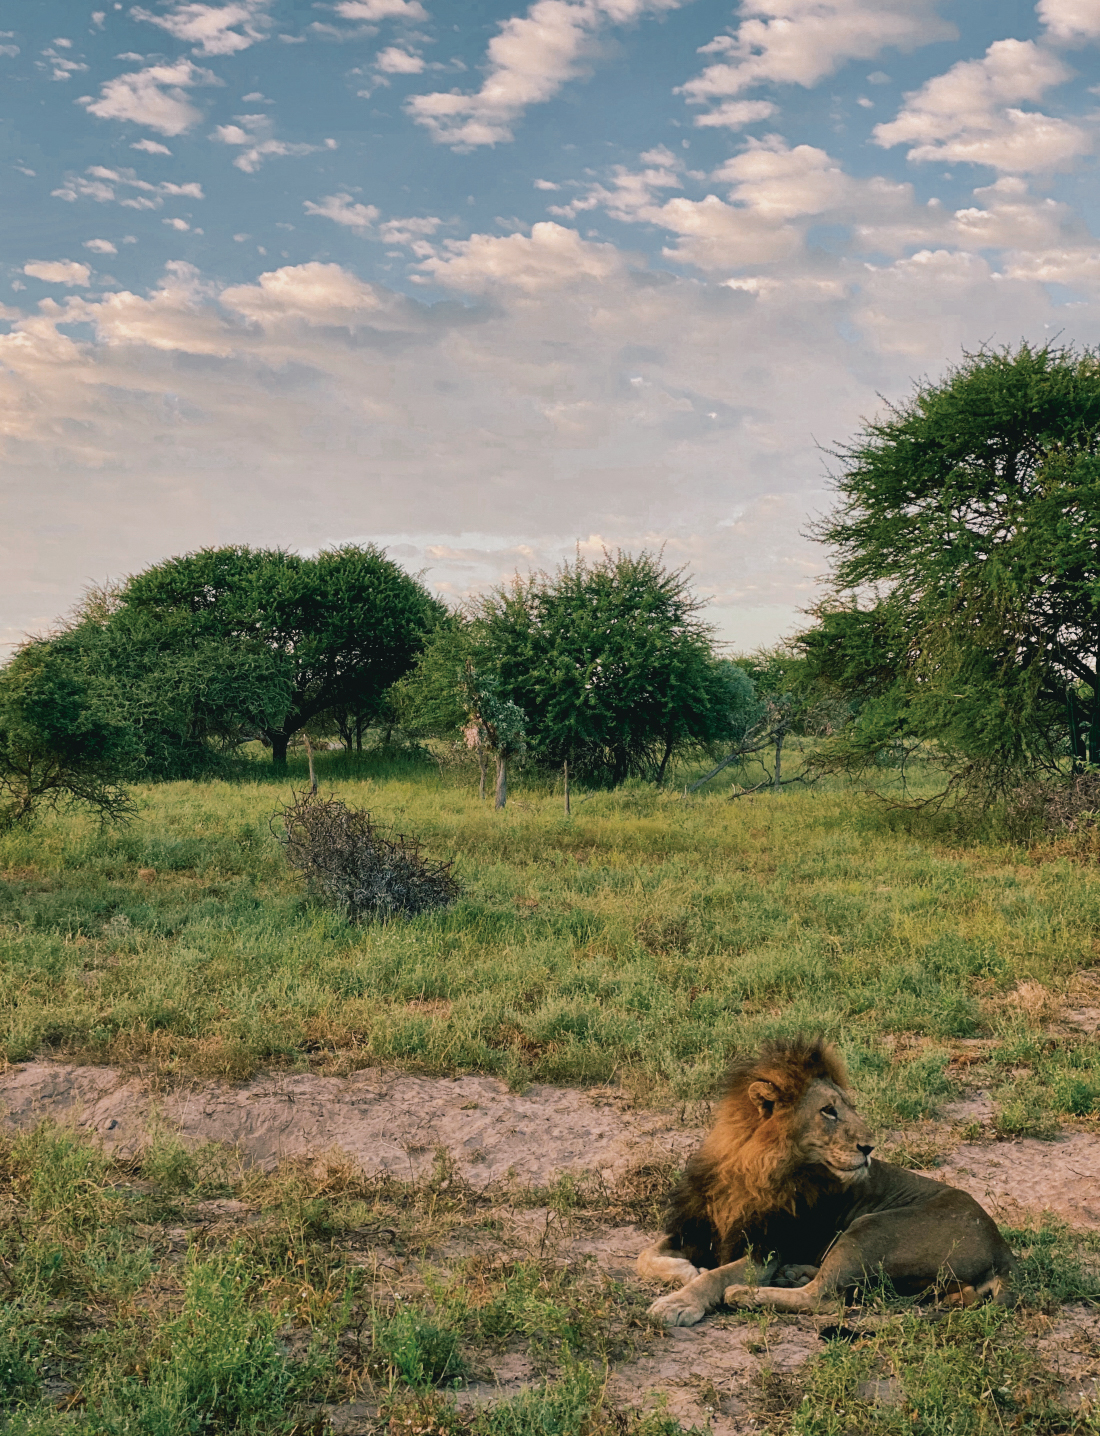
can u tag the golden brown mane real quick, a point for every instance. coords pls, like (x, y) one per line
(749, 1163)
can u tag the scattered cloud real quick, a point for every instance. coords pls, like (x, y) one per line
(151, 147)
(800, 42)
(395, 61)
(1070, 21)
(970, 113)
(103, 185)
(180, 224)
(552, 258)
(10, 50)
(529, 61)
(58, 271)
(100, 246)
(255, 136)
(342, 209)
(155, 97)
(381, 10)
(60, 66)
(734, 114)
(213, 29)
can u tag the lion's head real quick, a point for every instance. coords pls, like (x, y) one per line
(786, 1123)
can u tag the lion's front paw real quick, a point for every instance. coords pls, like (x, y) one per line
(794, 1276)
(740, 1296)
(679, 1308)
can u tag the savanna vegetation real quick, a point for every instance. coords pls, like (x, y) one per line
(723, 874)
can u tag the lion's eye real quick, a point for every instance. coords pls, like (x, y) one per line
(830, 1112)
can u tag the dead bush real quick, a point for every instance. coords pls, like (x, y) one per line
(355, 866)
(1071, 806)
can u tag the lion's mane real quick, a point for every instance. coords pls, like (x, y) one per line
(750, 1169)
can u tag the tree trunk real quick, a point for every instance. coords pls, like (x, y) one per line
(279, 742)
(777, 780)
(312, 774)
(359, 732)
(502, 782)
(664, 762)
(1076, 737)
(481, 765)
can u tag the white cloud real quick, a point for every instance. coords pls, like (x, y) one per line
(344, 210)
(150, 147)
(969, 113)
(100, 246)
(1072, 21)
(529, 61)
(800, 42)
(154, 97)
(213, 29)
(317, 293)
(395, 61)
(60, 66)
(176, 223)
(102, 184)
(552, 258)
(381, 10)
(733, 114)
(254, 133)
(58, 271)
(98, 17)
(10, 50)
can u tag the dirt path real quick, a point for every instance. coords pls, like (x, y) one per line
(391, 1122)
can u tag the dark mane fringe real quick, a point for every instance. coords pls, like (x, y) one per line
(747, 1168)
(790, 1064)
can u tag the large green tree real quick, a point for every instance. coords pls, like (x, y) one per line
(240, 638)
(966, 600)
(612, 665)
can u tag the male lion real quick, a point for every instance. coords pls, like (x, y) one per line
(784, 1191)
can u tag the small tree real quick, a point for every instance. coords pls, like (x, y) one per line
(60, 737)
(610, 662)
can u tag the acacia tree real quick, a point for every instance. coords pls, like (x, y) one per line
(61, 740)
(279, 637)
(612, 664)
(966, 599)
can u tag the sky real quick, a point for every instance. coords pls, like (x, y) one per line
(493, 284)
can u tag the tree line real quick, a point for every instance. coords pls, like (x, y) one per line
(961, 621)
(607, 666)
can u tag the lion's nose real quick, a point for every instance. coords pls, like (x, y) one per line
(865, 1147)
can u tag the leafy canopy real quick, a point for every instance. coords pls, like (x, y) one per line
(612, 665)
(966, 604)
(267, 640)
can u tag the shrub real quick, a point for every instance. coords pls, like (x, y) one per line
(352, 865)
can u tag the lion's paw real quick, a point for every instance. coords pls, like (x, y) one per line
(740, 1296)
(794, 1276)
(679, 1308)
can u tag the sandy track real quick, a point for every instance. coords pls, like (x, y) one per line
(391, 1122)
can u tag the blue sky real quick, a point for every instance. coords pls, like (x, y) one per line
(485, 281)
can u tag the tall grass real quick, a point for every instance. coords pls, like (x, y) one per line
(640, 940)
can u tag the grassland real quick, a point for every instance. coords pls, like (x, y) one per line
(637, 941)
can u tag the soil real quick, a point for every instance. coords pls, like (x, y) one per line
(394, 1123)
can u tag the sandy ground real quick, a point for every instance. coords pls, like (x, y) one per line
(390, 1122)
(394, 1123)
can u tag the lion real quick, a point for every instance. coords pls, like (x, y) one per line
(784, 1207)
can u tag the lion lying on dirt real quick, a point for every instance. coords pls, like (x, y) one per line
(783, 1207)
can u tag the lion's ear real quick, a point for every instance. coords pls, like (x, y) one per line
(764, 1097)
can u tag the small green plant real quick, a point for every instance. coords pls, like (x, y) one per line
(409, 1347)
(20, 1350)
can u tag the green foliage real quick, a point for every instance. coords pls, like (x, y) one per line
(228, 641)
(60, 738)
(612, 665)
(973, 513)
(410, 1348)
(20, 1352)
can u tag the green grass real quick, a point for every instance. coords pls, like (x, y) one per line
(638, 941)
(139, 1301)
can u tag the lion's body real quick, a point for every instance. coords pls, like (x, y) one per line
(784, 1189)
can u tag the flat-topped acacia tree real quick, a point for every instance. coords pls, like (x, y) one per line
(333, 630)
